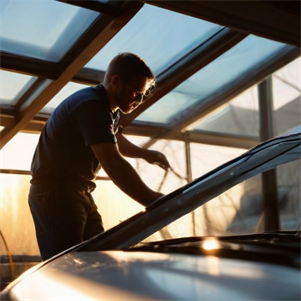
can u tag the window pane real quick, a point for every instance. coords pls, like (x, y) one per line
(251, 52)
(159, 36)
(240, 116)
(13, 85)
(11, 156)
(289, 192)
(57, 26)
(287, 98)
(16, 223)
(211, 157)
(69, 89)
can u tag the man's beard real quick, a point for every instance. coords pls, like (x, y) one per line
(121, 102)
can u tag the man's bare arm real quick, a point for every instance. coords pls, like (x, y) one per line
(123, 174)
(131, 150)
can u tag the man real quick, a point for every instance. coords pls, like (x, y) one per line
(80, 137)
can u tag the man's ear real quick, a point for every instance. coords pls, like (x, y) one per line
(115, 80)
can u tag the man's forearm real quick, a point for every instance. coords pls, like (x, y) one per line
(128, 149)
(127, 179)
(123, 174)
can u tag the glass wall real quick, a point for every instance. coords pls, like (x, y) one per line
(240, 116)
(16, 224)
(289, 192)
(287, 98)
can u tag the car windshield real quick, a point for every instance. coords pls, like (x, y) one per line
(228, 200)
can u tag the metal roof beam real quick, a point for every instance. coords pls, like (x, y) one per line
(44, 69)
(111, 8)
(211, 138)
(89, 76)
(28, 66)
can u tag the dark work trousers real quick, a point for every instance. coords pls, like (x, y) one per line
(64, 215)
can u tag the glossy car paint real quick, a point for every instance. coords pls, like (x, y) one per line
(117, 275)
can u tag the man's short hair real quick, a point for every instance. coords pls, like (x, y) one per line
(126, 65)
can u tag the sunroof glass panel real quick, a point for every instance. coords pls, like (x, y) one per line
(55, 29)
(159, 36)
(13, 85)
(251, 52)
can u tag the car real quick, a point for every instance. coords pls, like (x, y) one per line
(123, 263)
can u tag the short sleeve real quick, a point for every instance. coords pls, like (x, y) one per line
(94, 122)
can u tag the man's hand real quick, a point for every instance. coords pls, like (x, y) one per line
(157, 196)
(157, 158)
(128, 149)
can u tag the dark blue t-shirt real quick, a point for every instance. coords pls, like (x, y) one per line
(63, 152)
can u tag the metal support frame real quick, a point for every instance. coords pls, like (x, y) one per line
(269, 178)
(188, 157)
(189, 174)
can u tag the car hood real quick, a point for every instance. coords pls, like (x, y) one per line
(119, 275)
(263, 157)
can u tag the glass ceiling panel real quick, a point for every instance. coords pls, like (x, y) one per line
(63, 23)
(69, 89)
(159, 36)
(240, 116)
(251, 52)
(13, 85)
